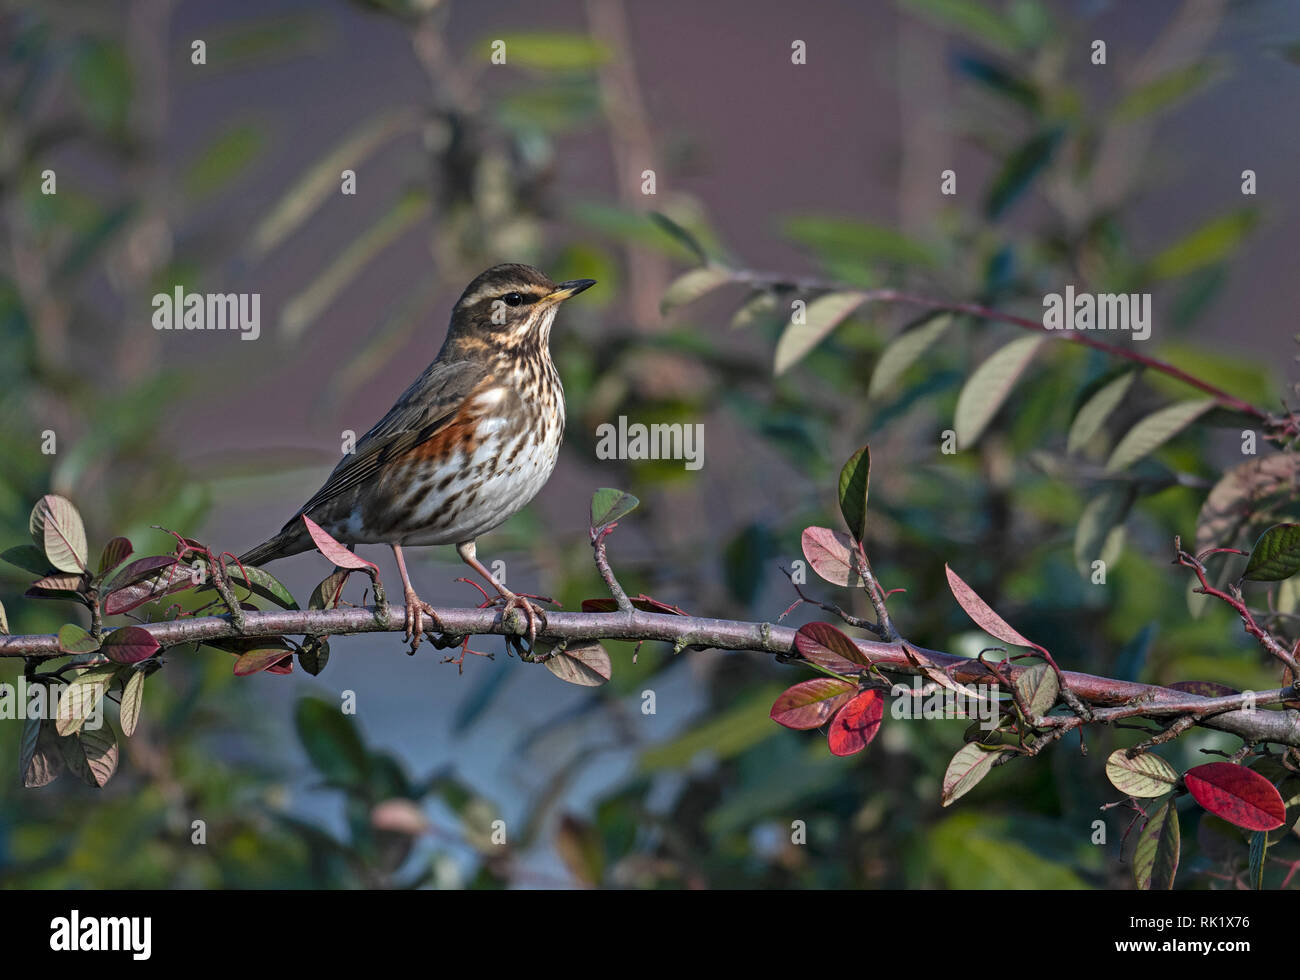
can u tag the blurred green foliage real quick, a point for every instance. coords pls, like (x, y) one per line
(713, 805)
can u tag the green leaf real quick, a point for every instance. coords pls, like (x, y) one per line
(303, 309)
(1145, 775)
(260, 583)
(1089, 419)
(724, 736)
(314, 655)
(132, 695)
(1099, 534)
(323, 179)
(1001, 81)
(550, 51)
(1039, 688)
(822, 316)
(972, 19)
(1212, 242)
(609, 505)
(905, 350)
(974, 851)
(971, 764)
(990, 386)
(28, 557)
(761, 305)
(1155, 859)
(74, 639)
(101, 71)
(1276, 555)
(690, 286)
(681, 235)
(332, 743)
(855, 482)
(222, 160)
(745, 560)
(57, 529)
(1019, 171)
(1154, 431)
(1166, 90)
(858, 241)
(1258, 852)
(80, 698)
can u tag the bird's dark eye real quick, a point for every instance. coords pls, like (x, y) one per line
(514, 299)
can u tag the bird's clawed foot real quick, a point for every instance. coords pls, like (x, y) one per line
(416, 612)
(534, 614)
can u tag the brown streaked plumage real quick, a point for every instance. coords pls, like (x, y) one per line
(468, 444)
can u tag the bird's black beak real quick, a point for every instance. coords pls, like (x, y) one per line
(563, 290)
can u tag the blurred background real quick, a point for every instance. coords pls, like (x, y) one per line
(225, 177)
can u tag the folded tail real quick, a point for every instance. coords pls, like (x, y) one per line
(293, 540)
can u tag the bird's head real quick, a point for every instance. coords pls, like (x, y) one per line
(509, 306)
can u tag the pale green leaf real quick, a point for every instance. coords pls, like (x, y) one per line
(325, 177)
(1155, 859)
(690, 286)
(971, 764)
(1097, 409)
(1154, 431)
(989, 387)
(303, 309)
(132, 695)
(905, 350)
(822, 316)
(1144, 775)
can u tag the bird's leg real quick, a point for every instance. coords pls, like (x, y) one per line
(469, 555)
(416, 608)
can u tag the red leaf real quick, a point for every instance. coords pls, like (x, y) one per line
(810, 703)
(830, 553)
(264, 658)
(144, 581)
(983, 614)
(332, 550)
(115, 552)
(57, 586)
(139, 570)
(823, 644)
(857, 723)
(1239, 795)
(643, 602)
(129, 645)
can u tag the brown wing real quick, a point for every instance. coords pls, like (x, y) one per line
(425, 408)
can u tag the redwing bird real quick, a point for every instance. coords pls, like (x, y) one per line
(468, 444)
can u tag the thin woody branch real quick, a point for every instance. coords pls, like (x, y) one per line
(1126, 698)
